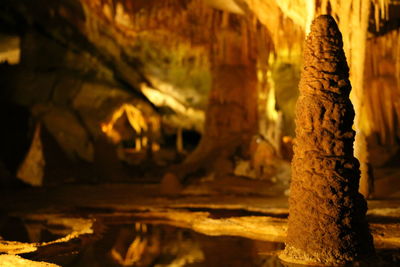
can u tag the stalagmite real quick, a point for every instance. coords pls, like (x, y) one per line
(327, 222)
(179, 141)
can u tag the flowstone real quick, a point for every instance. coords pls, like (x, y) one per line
(327, 223)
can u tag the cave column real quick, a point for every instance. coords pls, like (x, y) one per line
(232, 109)
(232, 106)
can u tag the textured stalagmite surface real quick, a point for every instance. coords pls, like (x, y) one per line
(327, 214)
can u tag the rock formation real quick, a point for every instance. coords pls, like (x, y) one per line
(327, 222)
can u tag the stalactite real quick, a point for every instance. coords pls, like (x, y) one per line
(382, 76)
(284, 20)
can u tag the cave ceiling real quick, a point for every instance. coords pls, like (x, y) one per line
(159, 49)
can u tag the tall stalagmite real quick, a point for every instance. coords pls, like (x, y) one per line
(327, 222)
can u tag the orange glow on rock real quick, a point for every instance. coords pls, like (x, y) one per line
(135, 119)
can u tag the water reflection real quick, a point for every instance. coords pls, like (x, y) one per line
(160, 246)
(16, 229)
(146, 245)
(151, 244)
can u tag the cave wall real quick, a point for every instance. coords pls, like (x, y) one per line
(82, 59)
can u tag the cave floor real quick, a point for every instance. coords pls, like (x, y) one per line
(238, 194)
(232, 206)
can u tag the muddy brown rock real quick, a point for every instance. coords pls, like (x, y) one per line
(327, 222)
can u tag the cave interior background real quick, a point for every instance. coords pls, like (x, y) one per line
(102, 90)
(193, 97)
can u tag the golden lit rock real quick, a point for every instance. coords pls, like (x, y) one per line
(32, 169)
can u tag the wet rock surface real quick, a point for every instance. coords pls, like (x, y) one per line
(327, 214)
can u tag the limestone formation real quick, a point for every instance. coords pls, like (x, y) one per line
(327, 222)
